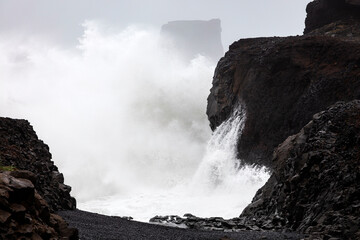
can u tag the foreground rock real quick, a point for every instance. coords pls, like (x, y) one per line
(24, 214)
(315, 187)
(21, 148)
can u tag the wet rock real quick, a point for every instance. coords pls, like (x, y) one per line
(211, 224)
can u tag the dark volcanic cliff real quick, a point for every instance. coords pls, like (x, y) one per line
(288, 86)
(283, 82)
(315, 186)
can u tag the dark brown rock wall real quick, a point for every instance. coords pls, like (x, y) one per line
(21, 148)
(315, 186)
(282, 82)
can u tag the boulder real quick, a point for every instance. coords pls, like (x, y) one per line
(24, 214)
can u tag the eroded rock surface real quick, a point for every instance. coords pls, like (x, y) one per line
(21, 148)
(315, 187)
(24, 214)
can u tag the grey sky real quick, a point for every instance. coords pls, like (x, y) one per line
(61, 20)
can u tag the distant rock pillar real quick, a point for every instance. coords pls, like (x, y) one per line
(194, 37)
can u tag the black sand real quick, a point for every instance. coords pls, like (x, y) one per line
(96, 226)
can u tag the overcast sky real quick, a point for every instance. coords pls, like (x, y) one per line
(61, 21)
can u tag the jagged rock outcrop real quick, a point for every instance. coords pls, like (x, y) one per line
(216, 224)
(282, 82)
(323, 12)
(315, 186)
(195, 37)
(21, 148)
(24, 214)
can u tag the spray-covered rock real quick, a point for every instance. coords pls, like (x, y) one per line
(282, 82)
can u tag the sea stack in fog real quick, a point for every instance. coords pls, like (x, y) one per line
(195, 37)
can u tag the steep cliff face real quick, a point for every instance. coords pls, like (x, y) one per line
(315, 186)
(21, 148)
(282, 82)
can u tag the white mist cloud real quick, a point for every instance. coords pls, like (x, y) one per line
(60, 20)
(119, 112)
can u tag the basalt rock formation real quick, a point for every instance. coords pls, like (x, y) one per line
(195, 37)
(24, 214)
(315, 186)
(21, 148)
(284, 81)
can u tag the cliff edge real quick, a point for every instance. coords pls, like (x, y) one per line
(283, 82)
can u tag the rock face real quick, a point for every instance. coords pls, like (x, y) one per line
(315, 186)
(282, 82)
(323, 12)
(195, 37)
(24, 214)
(21, 148)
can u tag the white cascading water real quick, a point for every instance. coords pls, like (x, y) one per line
(125, 121)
